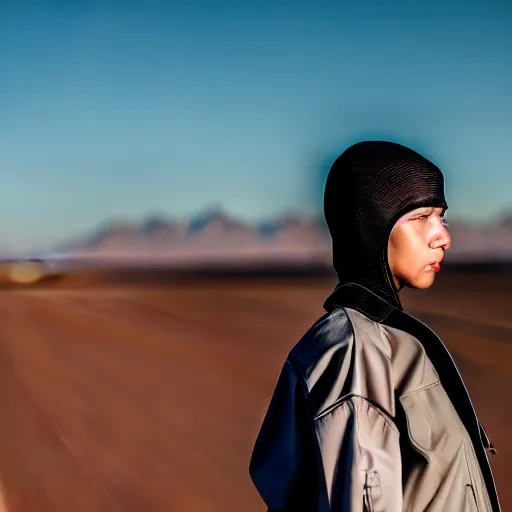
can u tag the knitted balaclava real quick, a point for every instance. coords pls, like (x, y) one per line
(368, 188)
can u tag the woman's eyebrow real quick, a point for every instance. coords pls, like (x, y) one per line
(422, 211)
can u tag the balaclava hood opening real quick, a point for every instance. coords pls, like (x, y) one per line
(368, 188)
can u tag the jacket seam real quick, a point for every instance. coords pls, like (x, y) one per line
(421, 388)
(389, 420)
(384, 335)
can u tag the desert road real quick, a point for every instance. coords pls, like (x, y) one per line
(148, 398)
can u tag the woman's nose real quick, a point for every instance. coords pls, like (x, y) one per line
(442, 239)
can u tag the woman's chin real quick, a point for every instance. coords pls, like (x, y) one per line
(421, 283)
(426, 281)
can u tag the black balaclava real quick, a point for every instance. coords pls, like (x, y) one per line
(368, 188)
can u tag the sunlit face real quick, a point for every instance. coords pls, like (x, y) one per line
(416, 247)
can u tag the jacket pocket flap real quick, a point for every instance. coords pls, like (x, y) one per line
(418, 426)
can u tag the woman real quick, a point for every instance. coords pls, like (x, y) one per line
(369, 412)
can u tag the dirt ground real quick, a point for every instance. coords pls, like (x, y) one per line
(148, 398)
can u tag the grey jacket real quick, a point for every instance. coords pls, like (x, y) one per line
(371, 414)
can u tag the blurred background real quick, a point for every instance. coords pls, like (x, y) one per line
(162, 242)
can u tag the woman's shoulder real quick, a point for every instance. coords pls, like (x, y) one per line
(344, 355)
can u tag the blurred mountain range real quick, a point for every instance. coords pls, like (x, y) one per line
(213, 235)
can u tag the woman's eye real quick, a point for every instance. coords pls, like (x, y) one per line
(444, 222)
(422, 217)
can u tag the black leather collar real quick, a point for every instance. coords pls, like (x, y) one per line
(362, 299)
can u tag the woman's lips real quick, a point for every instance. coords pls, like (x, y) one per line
(434, 267)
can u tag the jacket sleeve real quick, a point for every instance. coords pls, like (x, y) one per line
(284, 465)
(361, 457)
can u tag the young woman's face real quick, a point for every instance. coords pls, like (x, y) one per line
(416, 247)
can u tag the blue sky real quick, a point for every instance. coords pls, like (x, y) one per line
(113, 109)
